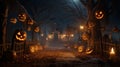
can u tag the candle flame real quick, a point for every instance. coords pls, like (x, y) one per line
(112, 51)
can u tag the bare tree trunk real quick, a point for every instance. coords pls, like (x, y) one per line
(4, 24)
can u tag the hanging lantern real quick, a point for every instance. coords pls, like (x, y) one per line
(99, 14)
(30, 22)
(22, 17)
(36, 29)
(13, 20)
(21, 35)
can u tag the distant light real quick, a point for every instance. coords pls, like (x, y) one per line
(42, 35)
(72, 35)
(112, 51)
(81, 27)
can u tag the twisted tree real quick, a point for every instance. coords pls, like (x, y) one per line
(98, 13)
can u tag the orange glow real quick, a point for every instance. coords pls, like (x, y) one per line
(81, 27)
(14, 54)
(80, 48)
(89, 51)
(13, 20)
(112, 51)
(21, 36)
(37, 29)
(32, 49)
(72, 35)
(22, 17)
(99, 14)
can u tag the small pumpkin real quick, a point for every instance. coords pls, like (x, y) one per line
(22, 17)
(99, 14)
(80, 49)
(36, 29)
(89, 51)
(85, 36)
(13, 20)
(30, 21)
(21, 36)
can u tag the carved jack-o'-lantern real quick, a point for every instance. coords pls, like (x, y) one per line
(22, 17)
(80, 48)
(36, 29)
(99, 14)
(30, 22)
(89, 51)
(85, 36)
(13, 20)
(21, 35)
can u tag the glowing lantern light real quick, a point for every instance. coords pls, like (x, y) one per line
(13, 20)
(112, 51)
(63, 36)
(22, 17)
(81, 27)
(42, 35)
(14, 53)
(72, 35)
(99, 14)
(50, 36)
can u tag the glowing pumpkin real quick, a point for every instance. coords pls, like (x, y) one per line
(99, 14)
(21, 36)
(36, 29)
(85, 36)
(22, 17)
(80, 48)
(32, 49)
(89, 51)
(13, 20)
(30, 22)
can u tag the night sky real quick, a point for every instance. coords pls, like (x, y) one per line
(65, 12)
(61, 12)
